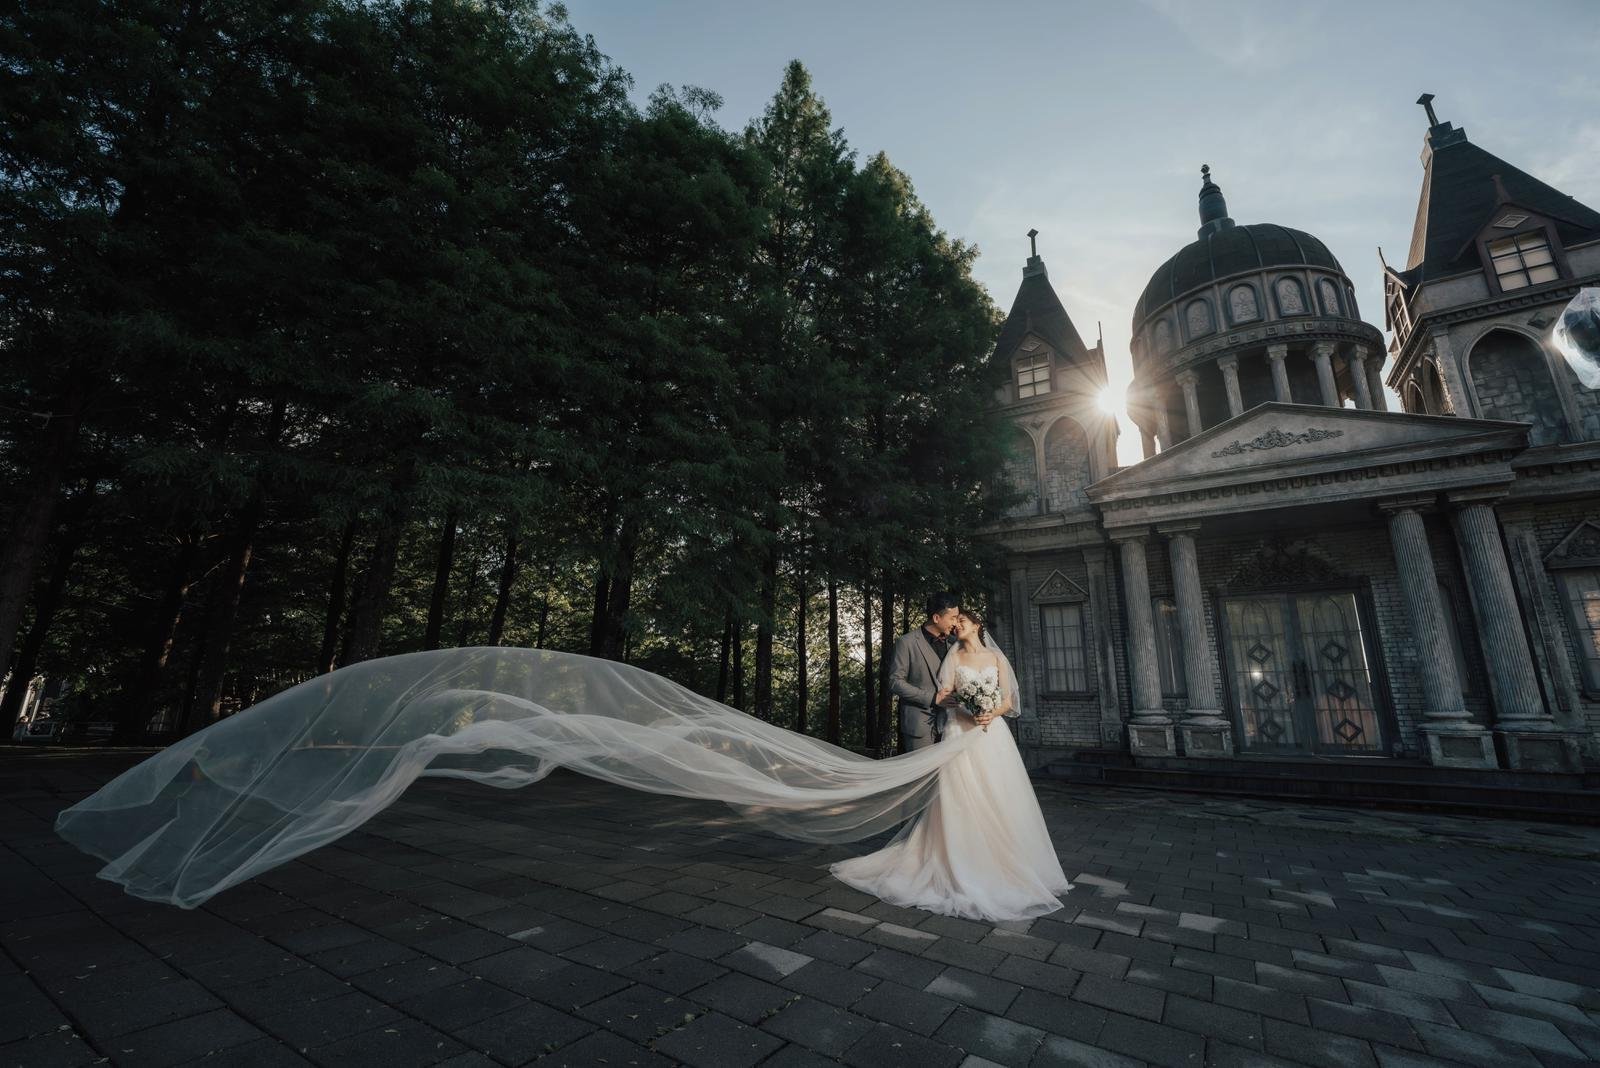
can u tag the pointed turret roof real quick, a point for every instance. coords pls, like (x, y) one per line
(1037, 309)
(1462, 186)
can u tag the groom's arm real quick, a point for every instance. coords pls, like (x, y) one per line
(900, 683)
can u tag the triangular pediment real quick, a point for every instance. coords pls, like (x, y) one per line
(1059, 587)
(1290, 440)
(1580, 548)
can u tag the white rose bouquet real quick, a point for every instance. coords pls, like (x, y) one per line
(980, 695)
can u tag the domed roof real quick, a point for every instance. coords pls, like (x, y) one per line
(1225, 249)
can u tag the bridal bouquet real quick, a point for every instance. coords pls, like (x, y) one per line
(980, 694)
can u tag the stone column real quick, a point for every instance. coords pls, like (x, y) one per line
(1450, 372)
(1375, 386)
(1277, 352)
(1449, 737)
(1528, 732)
(1150, 731)
(1360, 385)
(1164, 428)
(1206, 732)
(1229, 366)
(1189, 381)
(1322, 353)
(1147, 441)
(1097, 569)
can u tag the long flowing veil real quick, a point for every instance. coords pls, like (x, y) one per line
(314, 762)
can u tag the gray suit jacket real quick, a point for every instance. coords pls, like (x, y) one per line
(914, 679)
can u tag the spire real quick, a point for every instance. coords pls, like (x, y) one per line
(1440, 134)
(1213, 208)
(1035, 264)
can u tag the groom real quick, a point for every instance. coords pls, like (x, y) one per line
(914, 673)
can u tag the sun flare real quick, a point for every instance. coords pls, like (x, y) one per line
(1109, 402)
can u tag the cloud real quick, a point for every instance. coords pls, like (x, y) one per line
(1259, 35)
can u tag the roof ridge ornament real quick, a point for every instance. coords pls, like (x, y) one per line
(1213, 207)
(1426, 100)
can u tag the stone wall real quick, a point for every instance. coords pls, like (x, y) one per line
(1550, 523)
(1512, 382)
(1066, 465)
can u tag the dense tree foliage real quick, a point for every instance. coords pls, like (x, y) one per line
(337, 329)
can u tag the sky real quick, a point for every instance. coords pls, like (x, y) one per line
(1090, 121)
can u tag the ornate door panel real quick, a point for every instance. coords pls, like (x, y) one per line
(1300, 674)
(1337, 673)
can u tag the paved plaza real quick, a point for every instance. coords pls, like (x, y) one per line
(573, 923)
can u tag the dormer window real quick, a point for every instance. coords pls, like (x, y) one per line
(1523, 260)
(1033, 375)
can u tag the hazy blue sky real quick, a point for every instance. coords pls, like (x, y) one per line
(1090, 121)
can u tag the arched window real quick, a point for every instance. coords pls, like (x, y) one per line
(1329, 294)
(1163, 337)
(1242, 304)
(1019, 475)
(1066, 465)
(1512, 379)
(1198, 317)
(1291, 298)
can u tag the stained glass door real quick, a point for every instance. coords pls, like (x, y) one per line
(1300, 674)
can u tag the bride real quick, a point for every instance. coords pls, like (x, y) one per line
(980, 849)
(313, 763)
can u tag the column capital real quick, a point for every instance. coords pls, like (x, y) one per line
(1188, 379)
(1477, 495)
(1323, 350)
(1360, 353)
(1230, 362)
(1188, 526)
(1122, 534)
(1278, 350)
(1416, 502)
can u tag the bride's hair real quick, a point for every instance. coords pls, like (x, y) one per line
(973, 617)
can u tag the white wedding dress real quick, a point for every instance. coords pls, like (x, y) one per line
(980, 850)
(311, 764)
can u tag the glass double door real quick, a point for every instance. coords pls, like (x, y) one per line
(1301, 673)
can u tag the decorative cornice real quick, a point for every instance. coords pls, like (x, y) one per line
(1276, 439)
(1426, 324)
(1281, 483)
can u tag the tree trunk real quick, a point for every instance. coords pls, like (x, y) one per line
(886, 729)
(336, 594)
(764, 628)
(869, 685)
(22, 552)
(724, 656)
(372, 594)
(599, 626)
(140, 703)
(207, 704)
(614, 638)
(833, 728)
(441, 581)
(508, 578)
(46, 604)
(802, 663)
(738, 664)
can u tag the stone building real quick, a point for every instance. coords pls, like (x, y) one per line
(1294, 571)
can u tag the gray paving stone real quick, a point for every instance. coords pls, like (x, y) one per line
(1523, 1030)
(830, 983)
(911, 1010)
(1119, 996)
(901, 967)
(322, 1022)
(1057, 1015)
(406, 1044)
(1153, 1042)
(1036, 974)
(640, 1012)
(526, 1031)
(818, 1026)
(982, 992)
(886, 1046)
(992, 1038)
(211, 1033)
(1058, 1052)
(1363, 1021)
(602, 1048)
(743, 997)
(1316, 1047)
(717, 1041)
